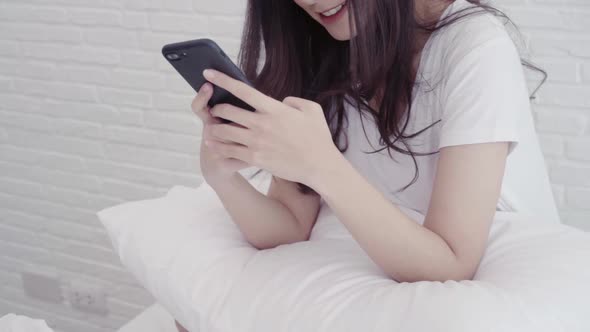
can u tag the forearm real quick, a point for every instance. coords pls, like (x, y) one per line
(265, 222)
(402, 248)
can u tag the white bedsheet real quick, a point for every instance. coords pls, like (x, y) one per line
(153, 319)
(185, 249)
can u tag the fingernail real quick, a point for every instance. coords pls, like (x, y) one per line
(205, 87)
(207, 142)
(208, 73)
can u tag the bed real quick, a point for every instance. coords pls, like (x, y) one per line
(187, 252)
(153, 319)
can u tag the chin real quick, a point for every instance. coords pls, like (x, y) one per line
(340, 35)
(340, 31)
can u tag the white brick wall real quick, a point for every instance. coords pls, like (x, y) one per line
(91, 116)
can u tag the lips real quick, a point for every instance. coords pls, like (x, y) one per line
(332, 11)
(333, 14)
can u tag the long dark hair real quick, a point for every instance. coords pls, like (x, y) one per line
(302, 59)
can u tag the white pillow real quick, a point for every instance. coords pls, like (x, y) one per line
(18, 323)
(153, 319)
(185, 249)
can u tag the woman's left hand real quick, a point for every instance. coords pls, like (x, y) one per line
(290, 139)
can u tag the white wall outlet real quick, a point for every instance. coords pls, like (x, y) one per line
(88, 298)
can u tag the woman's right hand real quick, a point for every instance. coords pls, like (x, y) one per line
(214, 167)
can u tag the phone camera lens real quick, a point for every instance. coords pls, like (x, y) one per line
(172, 56)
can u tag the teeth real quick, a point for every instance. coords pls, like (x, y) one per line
(332, 11)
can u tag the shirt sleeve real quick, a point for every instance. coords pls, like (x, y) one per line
(484, 95)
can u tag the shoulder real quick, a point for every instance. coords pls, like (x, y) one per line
(476, 30)
(483, 88)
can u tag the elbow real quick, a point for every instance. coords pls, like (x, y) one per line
(456, 272)
(263, 244)
(259, 245)
(469, 273)
(269, 243)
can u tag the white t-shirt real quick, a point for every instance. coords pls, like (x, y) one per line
(470, 77)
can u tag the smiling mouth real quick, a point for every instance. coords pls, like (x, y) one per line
(333, 11)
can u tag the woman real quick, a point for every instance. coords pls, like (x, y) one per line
(378, 107)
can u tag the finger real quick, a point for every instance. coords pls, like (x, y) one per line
(230, 150)
(209, 118)
(232, 133)
(207, 131)
(302, 104)
(199, 103)
(236, 114)
(243, 91)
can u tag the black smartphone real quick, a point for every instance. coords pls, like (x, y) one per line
(190, 58)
